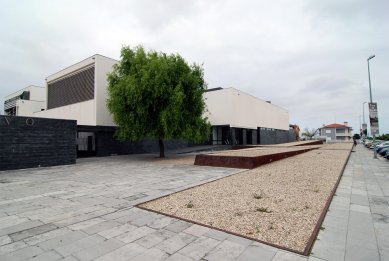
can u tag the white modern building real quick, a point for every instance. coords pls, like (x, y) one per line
(238, 117)
(25, 102)
(79, 92)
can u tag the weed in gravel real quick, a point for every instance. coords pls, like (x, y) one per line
(238, 214)
(258, 196)
(271, 226)
(189, 204)
(264, 210)
(316, 191)
(322, 228)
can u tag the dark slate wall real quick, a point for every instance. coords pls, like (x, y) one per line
(107, 144)
(27, 142)
(292, 136)
(267, 136)
(282, 136)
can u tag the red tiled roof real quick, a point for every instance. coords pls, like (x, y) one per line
(334, 125)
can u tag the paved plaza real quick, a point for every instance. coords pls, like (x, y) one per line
(86, 212)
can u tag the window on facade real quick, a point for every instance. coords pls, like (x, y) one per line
(340, 130)
(217, 136)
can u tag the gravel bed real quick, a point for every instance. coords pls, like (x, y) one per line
(279, 203)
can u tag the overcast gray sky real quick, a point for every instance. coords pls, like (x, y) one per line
(306, 56)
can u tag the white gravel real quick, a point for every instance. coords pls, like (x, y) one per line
(279, 203)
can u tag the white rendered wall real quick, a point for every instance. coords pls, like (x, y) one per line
(28, 108)
(37, 94)
(103, 67)
(238, 109)
(83, 112)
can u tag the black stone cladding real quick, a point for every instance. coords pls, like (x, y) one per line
(27, 142)
(107, 144)
(270, 136)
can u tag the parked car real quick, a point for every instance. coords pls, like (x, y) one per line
(375, 143)
(387, 155)
(382, 144)
(383, 151)
(379, 148)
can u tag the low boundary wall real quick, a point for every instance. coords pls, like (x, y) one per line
(27, 142)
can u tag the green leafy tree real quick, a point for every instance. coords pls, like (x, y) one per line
(383, 137)
(156, 95)
(356, 136)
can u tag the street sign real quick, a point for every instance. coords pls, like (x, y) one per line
(373, 115)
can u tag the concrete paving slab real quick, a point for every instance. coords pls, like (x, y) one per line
(226, 250)
(252, 253)
(199, 248)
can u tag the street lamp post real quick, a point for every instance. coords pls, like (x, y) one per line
(371, 97)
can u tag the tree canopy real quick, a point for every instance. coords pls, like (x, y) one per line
(309, 134)
(156, 95)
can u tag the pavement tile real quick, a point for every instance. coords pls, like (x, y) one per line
(99, 227)
(135, 234)
(252, 253)
(226, 250)
(155, 238)
(79, 245)
(12, 247)
(87, 223)
(5, 240)
(175, 243)
(161, 222)
(47, 256)
(239, 240)
(178, 226)
(151, 254)
(24, 253)
(196, 230)
(98, 250)
(116, 231)
(46, 236)
(32, 232)
(123, 253)
(331, 244)
(62, 240)
(12, 220)
(216, 234)
(286, 256)
(199, 248)
(178, 257)
(20, 227)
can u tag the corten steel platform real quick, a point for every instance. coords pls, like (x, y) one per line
(243, 162)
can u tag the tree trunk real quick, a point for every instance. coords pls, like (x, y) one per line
(161, 148)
